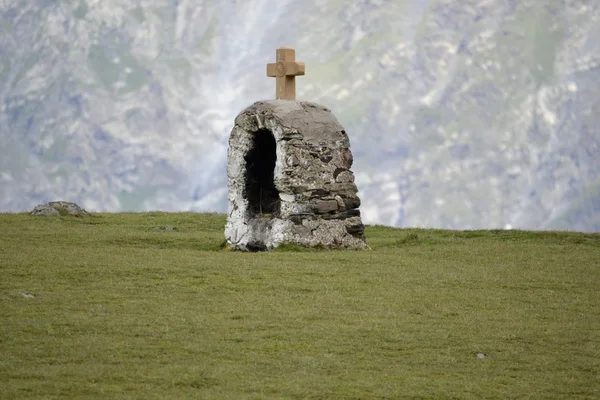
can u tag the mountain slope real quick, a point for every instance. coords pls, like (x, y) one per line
(462, 114)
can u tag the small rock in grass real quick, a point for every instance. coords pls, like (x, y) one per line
(61, 208)
(164, 228)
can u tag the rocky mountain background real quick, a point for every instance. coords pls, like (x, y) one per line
(462, 113)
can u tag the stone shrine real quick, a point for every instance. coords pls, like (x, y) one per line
(288, 172)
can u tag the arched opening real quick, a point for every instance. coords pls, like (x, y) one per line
(259, 188)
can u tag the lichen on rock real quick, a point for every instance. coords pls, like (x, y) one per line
(289, 179)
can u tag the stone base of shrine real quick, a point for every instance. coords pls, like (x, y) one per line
(267, 233)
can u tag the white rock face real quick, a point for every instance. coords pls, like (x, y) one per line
(289, 179)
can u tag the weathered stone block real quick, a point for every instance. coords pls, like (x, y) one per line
(289, 179)
(324, 206)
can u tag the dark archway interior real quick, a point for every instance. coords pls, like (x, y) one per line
(259, 189)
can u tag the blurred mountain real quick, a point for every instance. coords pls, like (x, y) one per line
(462, 113)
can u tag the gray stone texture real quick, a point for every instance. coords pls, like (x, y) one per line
(59, 208)
(289, 179)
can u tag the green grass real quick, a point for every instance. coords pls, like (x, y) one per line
(122, 310)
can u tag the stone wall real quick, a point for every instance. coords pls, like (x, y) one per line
(289, 179)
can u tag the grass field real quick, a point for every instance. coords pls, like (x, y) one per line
(111, 306)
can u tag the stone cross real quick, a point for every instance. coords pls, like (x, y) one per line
(285, 70)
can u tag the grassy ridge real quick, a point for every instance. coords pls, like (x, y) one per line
(123, 306)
